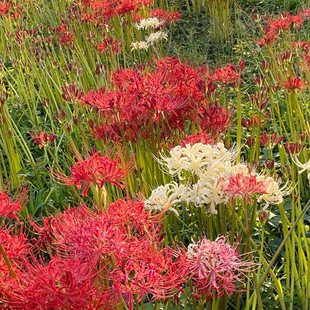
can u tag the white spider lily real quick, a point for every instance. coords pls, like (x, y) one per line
(304, 167)
(166, 196)
(152, 22)
(274, 193)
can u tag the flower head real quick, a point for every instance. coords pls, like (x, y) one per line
(152, 22)
(166, 196)
(244, 186)
(9, 208)
(304, 167)
(96, 169)
(216, 267)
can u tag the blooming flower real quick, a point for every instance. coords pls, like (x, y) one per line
(152, 22)
(156, 36)
(294, 83)
(304, 167)
(96, 169)
(195, 158)
(165, 196)
(244, 186)
(43, 139)
(273, 192)
(140, 45)
(9, 208)
(216, 267)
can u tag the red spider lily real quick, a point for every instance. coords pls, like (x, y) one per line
(111, 8)
(66, 37)
(226, 75)
(9, 208)
(60, 284)
(304, 13)
(216, 267)
(198, 137)
(16, 247)
(243, 186)
(160, 274)
(109, 44)
(294, 147)
(167, 16)
(294, 83)
(163, 98)
(96, 169)
(213, 119)
(72, 93)
(5, 8)
(248, 123)
(268, 39)
(270, 141)
(301, 44)
(260, 99)
(43, 139)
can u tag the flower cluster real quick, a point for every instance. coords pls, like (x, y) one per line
(162, 99)
(212, 178)
(275, 26)
(102, 259)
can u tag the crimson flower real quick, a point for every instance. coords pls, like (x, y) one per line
(270, 140)
(225, 75)
(215, 267)
(4, 8)
(244, 186)
(96, 169)
(15, 246)
(9, 208)
(213, 118)
(294, 83)
(198, 137)
(42, 139)
(294, 147)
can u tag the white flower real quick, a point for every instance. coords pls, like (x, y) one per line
(156, 36)
(304, 167)
(274, 193)
(165, 196)
(197, 158)
(139, 45)
(152, 22)
(208, 192)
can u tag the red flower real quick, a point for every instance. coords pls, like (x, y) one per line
(160, 273)
(4, 8)
(96, 169)
(72, 93)
(225, 75)
(213, 119)
(66, 37)
(8, 208)
(55, 285)
(215, 267)
(294, 83)
(294, 147)
(109, 44)
(270, 140)
(16, 248)
(244, 186)
(198, 137)
(42, 139)
(167, 16)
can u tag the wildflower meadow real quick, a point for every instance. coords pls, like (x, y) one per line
(155, 154)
